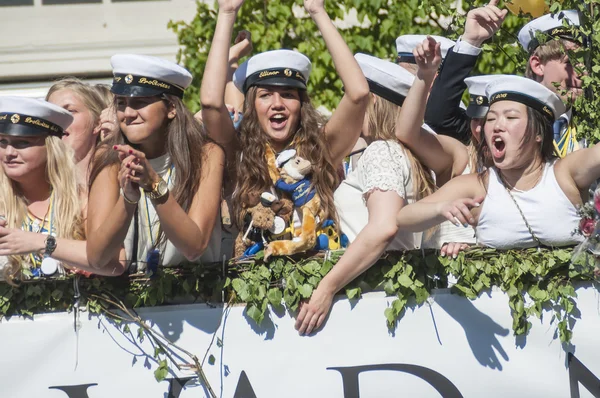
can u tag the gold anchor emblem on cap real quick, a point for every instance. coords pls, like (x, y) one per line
(479, 100)
(15, 118)
(287, 72)
(128, 79)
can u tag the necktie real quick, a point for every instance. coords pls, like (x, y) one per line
(560, 126)
(563, 142)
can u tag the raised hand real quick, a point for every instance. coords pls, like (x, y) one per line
(314, 6)
(428, 56)
(458, 212)
(108, 124)
(242, 46)
(483, 22)
(230, 5)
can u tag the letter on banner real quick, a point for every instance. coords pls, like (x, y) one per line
(436, 380)
(578, 373)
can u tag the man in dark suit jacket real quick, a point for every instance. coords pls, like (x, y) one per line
(444, 113)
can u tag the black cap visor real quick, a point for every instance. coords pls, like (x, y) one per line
(142, 86)
(281, 82)
(127, 90)
(28, 126)
(477, 111)
(284, 77)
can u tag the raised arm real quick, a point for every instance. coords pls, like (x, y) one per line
(242, 46)
(443, 112)
(443, 155)
(215, 115)
(344, 127)
(452, 202)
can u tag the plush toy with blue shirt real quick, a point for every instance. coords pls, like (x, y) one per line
(295, 180)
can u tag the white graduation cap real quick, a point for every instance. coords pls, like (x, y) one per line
(274, 68)
(528, 92)
(284, 156)
(551, 24)
(29, 117)
(145, 76)
(386, 79)
(405, 45)
(478, 101)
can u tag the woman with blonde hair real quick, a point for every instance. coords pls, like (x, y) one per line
(155, 186)
(40, 200)
(386, 178)
(278, 114)
(85, 103)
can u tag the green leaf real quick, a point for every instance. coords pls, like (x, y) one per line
(353, 293)
(305, 290)
(211, 359)
(325, 268)
(255, 313)
(405, 280)
(421, 294)
(162, 371)
(390, 317)
(388, 287)
(274, 296)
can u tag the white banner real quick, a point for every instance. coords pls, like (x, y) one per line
(451, 348)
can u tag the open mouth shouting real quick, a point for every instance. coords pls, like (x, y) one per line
(278, 121)
(498, 147)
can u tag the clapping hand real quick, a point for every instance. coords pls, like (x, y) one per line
(135, 172)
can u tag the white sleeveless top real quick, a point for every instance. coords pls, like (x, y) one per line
(384, 166)
(169, 255)
(551, 215)
(447, 232)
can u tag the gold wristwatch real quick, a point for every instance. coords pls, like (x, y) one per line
(159, 190)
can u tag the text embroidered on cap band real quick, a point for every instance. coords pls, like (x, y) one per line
(142, 81)
(284, 73)
(30, 121)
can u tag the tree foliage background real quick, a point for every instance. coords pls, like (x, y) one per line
(284, 24)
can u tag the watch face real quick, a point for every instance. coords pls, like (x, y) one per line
(50, 243)
(162, 187)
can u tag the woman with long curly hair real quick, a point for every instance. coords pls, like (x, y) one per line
(156, 184)
(41, 224)
(386, 178)
(278, 113)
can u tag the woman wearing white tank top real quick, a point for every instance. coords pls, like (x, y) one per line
(527, 198)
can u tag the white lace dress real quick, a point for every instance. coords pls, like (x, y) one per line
(385, 167)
